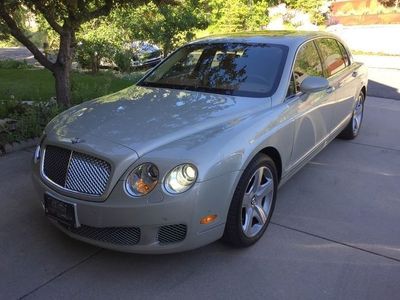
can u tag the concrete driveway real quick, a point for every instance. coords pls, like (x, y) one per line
(335, 234)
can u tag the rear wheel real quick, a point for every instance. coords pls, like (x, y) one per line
(253, 203)
(353, 128)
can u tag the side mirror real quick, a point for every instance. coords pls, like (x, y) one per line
(314, 84)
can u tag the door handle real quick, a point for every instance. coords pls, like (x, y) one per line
(330, 90)
(354, 74)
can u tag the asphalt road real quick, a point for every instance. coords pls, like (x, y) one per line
(384, 71)
(335, 234)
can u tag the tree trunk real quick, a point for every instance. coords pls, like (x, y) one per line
(63, 86)
(63, 66)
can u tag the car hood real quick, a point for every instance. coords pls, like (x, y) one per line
(143, 119)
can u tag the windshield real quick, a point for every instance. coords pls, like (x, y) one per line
(239, 69)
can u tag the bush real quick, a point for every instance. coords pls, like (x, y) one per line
(89, 53)
(14, 64)
(122, 59)
(31, 118)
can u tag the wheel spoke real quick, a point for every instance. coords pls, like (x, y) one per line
(260, 215)
(249, 220)
(265, 189)
(355, 123)
(247, 200)
(259, 176)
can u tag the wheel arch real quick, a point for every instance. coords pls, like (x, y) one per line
(364, 90)
(275, 156)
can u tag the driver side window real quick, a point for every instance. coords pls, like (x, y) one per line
(307, 64)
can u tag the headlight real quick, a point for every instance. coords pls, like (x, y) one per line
(180, 178)
(36, 155)
(142, 180)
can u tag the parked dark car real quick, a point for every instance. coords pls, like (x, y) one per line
(145, 54)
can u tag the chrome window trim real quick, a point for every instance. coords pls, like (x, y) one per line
(316, 46)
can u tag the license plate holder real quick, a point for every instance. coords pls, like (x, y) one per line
(61, 211)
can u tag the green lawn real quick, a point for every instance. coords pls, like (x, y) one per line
(38, 84)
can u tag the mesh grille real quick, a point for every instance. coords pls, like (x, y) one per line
(114, 235)
(87, 174)
(172, 233)
(56, 163)
(76, 171)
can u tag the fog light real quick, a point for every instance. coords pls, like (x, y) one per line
(208, 219)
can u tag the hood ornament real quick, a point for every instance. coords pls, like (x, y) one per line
(76, 140)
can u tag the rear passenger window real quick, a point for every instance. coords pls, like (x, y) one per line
(307, 64)
(332, 56)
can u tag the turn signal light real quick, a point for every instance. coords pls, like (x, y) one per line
(208, 219)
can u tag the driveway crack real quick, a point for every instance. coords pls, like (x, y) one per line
(62, 273)
(336, 242)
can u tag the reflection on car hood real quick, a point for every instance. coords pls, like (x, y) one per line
(146, 118)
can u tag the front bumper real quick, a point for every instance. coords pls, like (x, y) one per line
(150, 214)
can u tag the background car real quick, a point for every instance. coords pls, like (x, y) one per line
(145, 55)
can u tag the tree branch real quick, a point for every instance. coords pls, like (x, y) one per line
(87, 15)
(19, 35)
(49, 15)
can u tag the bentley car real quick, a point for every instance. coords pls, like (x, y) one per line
(197, 149)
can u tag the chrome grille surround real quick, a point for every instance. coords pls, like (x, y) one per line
(75, 171)
(125, 236)
(171, 233)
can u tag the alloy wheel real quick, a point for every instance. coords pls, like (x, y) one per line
(358, 114)
(257, 200)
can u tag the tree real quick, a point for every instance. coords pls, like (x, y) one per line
(65, 17)
(170, 26)
(236, 15)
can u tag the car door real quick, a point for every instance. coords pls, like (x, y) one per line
(341, 76)
(313, 113)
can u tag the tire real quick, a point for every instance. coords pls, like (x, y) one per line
(352, 129)
(252, 205)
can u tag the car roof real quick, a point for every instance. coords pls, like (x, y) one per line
(284, 37)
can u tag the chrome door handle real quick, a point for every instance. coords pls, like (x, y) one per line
(330, 90)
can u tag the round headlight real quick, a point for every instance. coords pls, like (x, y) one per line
(36, 155)
(180, 178)
(142, 180)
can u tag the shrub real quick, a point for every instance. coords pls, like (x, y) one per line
(31, 118)
(14, 64)
(122, 59)
(89, 53)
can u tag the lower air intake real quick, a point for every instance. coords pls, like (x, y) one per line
(172, 233)
(125, 236)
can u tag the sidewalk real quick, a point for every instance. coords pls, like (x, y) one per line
(383, 75)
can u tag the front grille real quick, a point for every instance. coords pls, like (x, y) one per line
(76, 171)
(171, 233)
(125, 236)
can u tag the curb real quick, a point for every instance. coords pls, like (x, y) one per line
(17, 146)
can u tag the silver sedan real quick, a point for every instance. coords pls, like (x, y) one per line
(196, 150)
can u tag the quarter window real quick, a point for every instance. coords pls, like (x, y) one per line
(345, 54)
(332, 56)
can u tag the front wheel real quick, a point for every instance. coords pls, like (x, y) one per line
(353, 128)
(253, 203)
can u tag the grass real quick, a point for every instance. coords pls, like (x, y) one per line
(38, 84)
(19, 81)
(361, 52)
